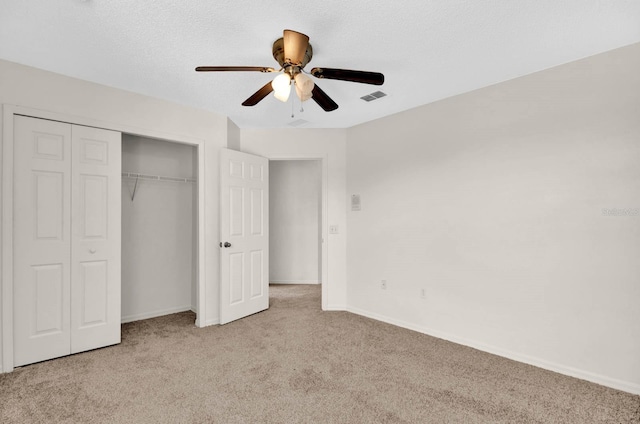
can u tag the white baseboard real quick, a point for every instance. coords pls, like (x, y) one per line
(214, 321)
(294, 282)
(336, 308)
(154, 314)
(625, 386)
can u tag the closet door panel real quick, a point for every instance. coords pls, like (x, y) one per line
(94, 196)
(47, 296)
(42, 249)
(48, 188)
(95, 255)
(94, 293)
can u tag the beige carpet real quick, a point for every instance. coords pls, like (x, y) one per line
(294, 364)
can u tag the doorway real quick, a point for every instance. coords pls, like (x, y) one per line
(295, 224)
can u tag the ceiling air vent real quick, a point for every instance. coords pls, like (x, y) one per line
(298, 123)
(373, 96)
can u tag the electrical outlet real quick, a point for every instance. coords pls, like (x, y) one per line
(423, 293)
(383, 284)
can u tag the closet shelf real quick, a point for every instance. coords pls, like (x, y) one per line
(157, 177)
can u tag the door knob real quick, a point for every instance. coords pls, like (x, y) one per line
(227, 244)
(92, 251)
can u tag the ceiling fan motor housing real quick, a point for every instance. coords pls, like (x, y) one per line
(278, 55)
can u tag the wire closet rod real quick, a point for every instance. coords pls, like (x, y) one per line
(157, 177)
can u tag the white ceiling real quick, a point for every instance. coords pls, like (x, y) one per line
(427, 49)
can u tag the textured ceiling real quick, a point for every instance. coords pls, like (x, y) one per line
(427, 49)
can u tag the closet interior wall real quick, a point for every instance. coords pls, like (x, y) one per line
(159, 228)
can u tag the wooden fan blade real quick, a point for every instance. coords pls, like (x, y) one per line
(364, 77)
(234, 68)
(258, 95)
(295, 46)
(323, 100)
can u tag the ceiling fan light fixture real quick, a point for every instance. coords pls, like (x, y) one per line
(302, 95)
(282, 87)
(304, 86)
(293, 52)
(304, 82)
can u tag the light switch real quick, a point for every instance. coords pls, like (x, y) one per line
(355, 202)
(333, 229)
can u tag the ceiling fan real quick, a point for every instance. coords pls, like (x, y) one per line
(293, 52)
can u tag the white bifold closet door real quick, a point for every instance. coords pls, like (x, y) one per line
(66, 295)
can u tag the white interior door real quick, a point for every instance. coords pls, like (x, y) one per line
(66, 282)
(42, 246)
(95, 238)
(244, 235)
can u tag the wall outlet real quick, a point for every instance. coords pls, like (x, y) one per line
(383, 284)
(333, 229)
(423, 293)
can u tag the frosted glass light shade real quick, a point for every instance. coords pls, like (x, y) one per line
(281, 87)
(303, 96)
(304, 86)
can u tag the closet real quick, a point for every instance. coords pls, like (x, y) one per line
(159, 227)
(66, 257)
(104, 232)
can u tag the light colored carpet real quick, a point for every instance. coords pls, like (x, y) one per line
(294, 364)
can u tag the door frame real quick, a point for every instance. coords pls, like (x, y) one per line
(6, 157)
(324, 207)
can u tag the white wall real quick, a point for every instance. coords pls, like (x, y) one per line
(233, 136)
(330, 146)
(104, 106)
(294, 221)
(159, 238)
(492, 203)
